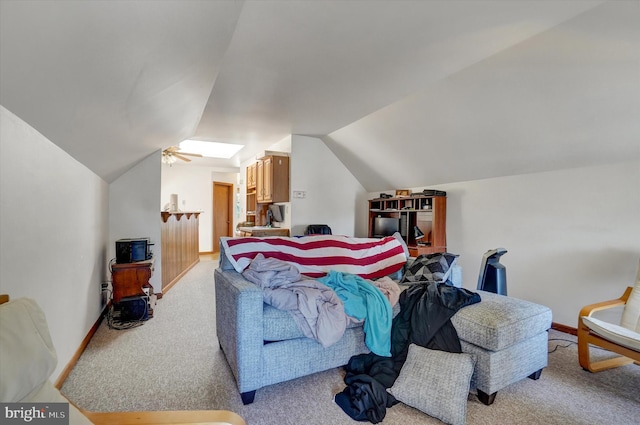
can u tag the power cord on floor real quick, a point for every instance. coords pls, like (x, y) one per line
(561, 346)
(570, 344)
(115, 322)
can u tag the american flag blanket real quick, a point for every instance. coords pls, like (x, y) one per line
(315, 256)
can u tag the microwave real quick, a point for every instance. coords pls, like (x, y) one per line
(132, 250)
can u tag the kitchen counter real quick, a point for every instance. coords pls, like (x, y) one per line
(263, 231)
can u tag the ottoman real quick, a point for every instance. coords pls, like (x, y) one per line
(509, 338)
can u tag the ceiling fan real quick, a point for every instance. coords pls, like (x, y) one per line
(172, 153)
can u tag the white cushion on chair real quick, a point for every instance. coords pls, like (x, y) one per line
(614, 333)
(28, 358)
(27, 355)
(631, 313)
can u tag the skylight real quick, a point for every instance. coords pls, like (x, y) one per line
(210, 149)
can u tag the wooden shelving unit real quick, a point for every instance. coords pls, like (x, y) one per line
(130, 279)
(428, 213)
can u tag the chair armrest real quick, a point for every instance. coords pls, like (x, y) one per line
(184, 417)
(592, 308)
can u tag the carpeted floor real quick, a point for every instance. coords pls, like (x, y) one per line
(173, 362)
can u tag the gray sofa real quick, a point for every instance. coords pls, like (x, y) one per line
(264, 346)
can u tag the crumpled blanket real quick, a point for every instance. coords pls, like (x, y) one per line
(363, 301)
(270, 272)
(389, 289)
(316, 309)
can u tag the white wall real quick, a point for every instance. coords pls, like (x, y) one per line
(194, 186)
(53, 222)
(134, 212)
(333, 195)
(572, 236)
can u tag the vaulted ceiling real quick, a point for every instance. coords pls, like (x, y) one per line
(405, 93)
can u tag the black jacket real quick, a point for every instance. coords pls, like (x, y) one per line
(424, 319)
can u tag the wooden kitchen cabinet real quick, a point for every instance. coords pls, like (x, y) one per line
(272, 179)
(260, 181)
(267, 183)
(251, 176)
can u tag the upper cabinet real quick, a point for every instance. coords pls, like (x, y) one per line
(251, 176)
(267, 182)
(252, 201)
(272, 179)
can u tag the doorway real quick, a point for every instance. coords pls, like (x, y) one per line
(222, 212)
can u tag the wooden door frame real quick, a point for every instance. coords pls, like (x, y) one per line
(213, 215)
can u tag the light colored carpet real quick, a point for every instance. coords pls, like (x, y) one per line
(173, 362)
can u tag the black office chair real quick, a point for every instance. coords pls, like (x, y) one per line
(317, 229)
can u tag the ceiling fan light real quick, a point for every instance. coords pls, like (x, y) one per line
(168, 158)
(210, 149)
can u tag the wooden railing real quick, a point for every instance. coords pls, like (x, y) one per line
(180, 245)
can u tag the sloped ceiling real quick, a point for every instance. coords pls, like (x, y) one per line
(111, 82)
(566, 97)
(406, 93)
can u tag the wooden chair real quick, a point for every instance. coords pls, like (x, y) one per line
(623, 339)
(29, 356)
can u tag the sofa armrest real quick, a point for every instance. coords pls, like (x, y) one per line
(239, 325)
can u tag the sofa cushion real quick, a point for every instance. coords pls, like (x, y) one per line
(429, 268)
(27, 355)
(436, 382)
(498, 321)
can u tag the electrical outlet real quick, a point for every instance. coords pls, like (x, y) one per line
(300, 194)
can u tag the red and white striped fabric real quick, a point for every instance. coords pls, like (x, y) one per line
(314, 256)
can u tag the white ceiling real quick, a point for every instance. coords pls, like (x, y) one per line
(406, 93)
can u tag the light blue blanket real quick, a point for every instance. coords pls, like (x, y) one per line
(363, 301)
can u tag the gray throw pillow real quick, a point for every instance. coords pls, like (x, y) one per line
(430, 268)
(436, 383)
